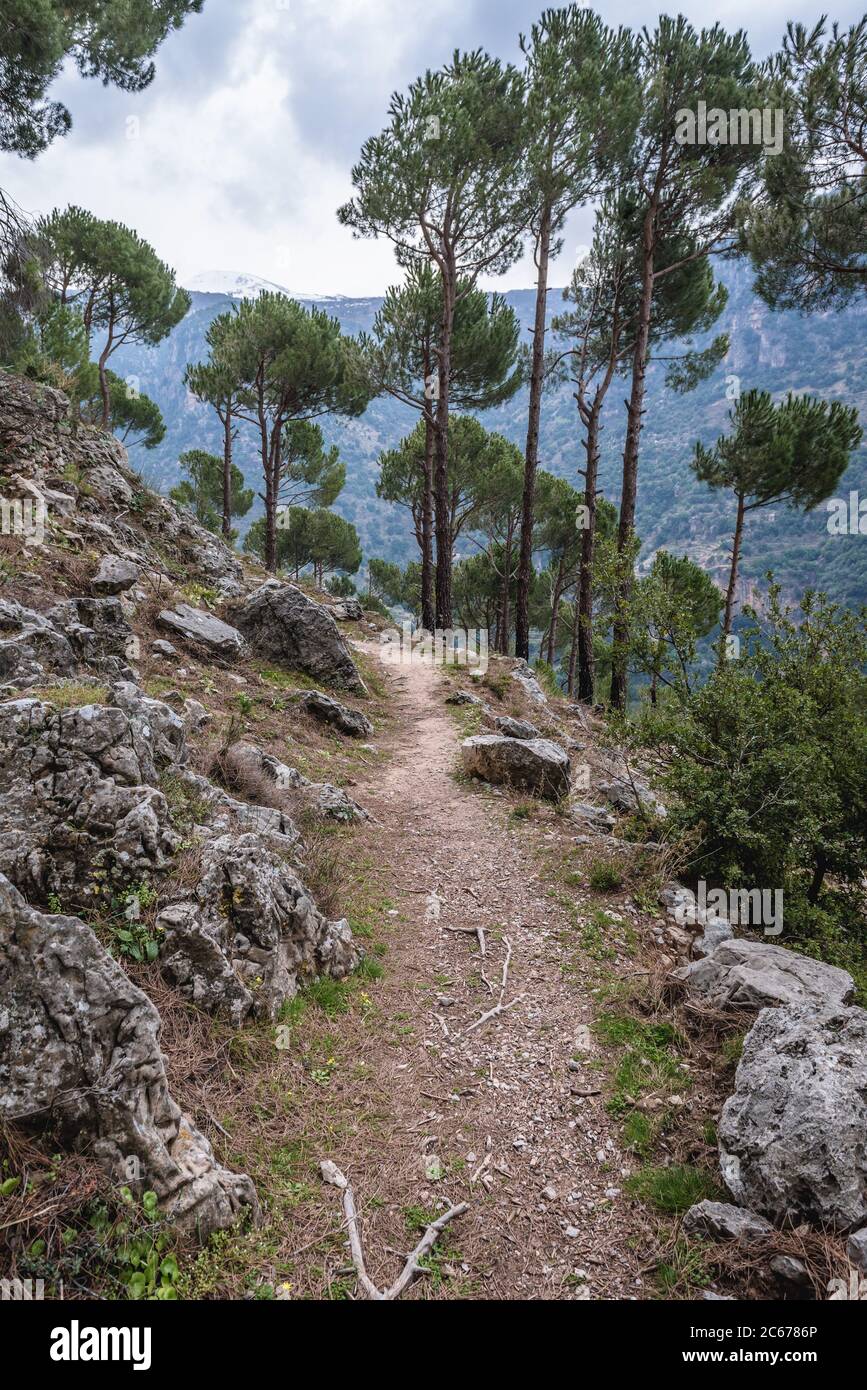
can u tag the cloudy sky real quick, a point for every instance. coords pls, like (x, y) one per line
(238, 154)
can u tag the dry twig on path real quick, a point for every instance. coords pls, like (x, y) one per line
(332, 1174)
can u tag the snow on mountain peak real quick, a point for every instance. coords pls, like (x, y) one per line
(239, 285)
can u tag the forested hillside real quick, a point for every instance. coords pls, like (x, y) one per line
(779, 352)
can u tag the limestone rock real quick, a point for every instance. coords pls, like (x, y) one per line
(535, 765)
(251, 931)
(282, 624)
(79, 1049)
(114, 576)
(856, 1249)
(722, 1221)
(348, 610)
(747, 974)
(792, 1136)
(79, 806)
(516, 728)
(348, 721)
(524, 676)
(203, 631)
(269, 782)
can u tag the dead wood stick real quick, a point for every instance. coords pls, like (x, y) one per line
(332, 1174)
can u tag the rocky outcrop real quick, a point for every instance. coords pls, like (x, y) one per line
(92, 495)
(79, 1049)
(31, 648)
(203, 631)
(249, 934)
(747, 974)
(534, 765)
(792, 1136)
(347, 721)
(282, 624)
(80, 811)
(269, 782)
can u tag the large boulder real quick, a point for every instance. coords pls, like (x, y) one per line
(744, 974)
(282, 624)
(79, 1052)
(340, 717)
(535, 765)
(249, 934)
(792, 1137)
(80, 812)
(203, 631)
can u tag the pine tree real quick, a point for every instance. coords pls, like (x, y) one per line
(444, 182)
(113, 40)
(807, 234)
(581, 110)
(795, 453)
(402, 354)
(115, 280)
(218, 382)
(202, 491)
(685, 197)
(294, 365)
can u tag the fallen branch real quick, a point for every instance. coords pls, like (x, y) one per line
(332, 1174)
(499, 1007)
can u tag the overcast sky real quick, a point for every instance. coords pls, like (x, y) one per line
(238, 154)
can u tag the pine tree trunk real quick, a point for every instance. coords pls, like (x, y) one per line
(103, 387)
(531, 453)
(441, 459)
(505, 621)
(555, 613)
(428, 616)
(733, 574)
(620, 648)
(573, 653)
(584, 602)
(227, 474)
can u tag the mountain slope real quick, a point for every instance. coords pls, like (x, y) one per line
(783, 352)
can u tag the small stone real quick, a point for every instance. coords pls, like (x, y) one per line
(549, 1193)
(856, 1248)
(161, 648)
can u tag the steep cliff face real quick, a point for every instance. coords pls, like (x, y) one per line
(116, 846)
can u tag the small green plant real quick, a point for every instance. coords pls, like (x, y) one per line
(138, 1245)
(605, 876)
(671, 1189)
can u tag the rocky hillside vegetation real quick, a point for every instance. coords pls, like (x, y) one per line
(290, 931)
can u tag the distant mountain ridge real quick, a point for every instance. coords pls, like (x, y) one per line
(822, 353)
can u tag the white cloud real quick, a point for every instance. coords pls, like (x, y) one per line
(245, 140)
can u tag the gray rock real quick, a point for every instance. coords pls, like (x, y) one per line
(31, 647)
(269, 782)
(791, 1137)
(516, 728)
(80, 1054)
(155, 722)
(348, 610)
(203, 631)
(96, 628)
(524, 676)
(463, 697)
(856, 1249)
(792, 1274)
(114, 576)
(328, 711)
(631, 794)
(163, 648)
(535, 765)
(282, 624)
(251, 932)
(716, 930)
(596, 816)
(745, 974)
(79, 806)
(722, 1221)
